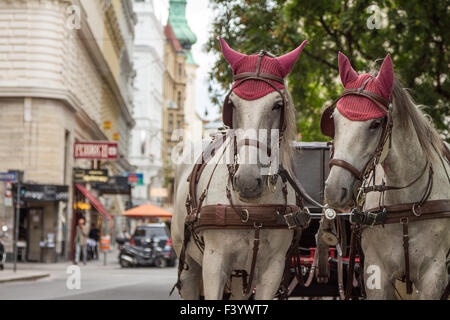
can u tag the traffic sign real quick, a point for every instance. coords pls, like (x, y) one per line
(8, 176)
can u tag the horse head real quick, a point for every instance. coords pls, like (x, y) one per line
(257, 110)
(359, 125)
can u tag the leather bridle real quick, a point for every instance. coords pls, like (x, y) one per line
(265, 77)
(401, 213)
(385, 139)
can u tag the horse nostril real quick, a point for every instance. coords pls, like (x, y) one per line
(344, 194)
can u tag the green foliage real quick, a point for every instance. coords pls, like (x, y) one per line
(414, 32)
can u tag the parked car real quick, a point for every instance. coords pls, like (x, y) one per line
(149, 245)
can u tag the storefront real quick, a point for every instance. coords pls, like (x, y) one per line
(42, 222)
(88, 207)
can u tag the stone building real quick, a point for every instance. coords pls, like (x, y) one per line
(146, 141)
(179, 88)
(65, 76)
(174, 91)
(185, 36)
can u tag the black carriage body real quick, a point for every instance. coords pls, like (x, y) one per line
(311, 168)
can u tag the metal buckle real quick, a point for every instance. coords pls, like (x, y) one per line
(374, 217)
(259, 226)
(245, 211)
(290, 218)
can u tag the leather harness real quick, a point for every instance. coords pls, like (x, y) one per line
(400, 213)
(249, 216)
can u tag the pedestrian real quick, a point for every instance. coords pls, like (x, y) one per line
(94, 236)
(81, 241)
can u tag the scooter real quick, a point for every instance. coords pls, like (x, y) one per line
(149, 254)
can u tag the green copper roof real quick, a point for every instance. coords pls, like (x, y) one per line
(189, 57)
(177, 19)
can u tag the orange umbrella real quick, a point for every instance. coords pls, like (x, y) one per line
(147, 210)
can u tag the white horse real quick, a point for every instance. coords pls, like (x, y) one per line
(226, 250)
(414, 143)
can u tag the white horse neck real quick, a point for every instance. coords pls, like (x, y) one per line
(405, 163)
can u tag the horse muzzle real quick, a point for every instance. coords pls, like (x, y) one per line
(248, 181)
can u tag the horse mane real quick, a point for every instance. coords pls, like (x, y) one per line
(290, 134)
(407, 109)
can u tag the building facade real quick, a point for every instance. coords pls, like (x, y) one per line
(174, 92)
(146, 141)
(181, 122)
(65, 76)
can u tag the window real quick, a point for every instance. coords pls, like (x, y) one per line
(180, 69)
(179, 99)
(170, 123)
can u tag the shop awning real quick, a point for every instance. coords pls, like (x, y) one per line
(93, 200)
(147, 210)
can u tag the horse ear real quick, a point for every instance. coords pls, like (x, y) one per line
(385, 78)
(347, 73)
(288, 60)
(230, 55)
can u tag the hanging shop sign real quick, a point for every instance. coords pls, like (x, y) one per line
(135, 179)
(82, 206)
(115, 185)
(96, 150)
(40, 192)
(90, 175)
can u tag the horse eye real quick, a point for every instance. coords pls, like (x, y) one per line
(277, 106)
(375, 125)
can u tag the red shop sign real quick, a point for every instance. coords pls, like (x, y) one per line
(96, 150)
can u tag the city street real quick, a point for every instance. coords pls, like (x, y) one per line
(97, 282)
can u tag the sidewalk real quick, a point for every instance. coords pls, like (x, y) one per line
(20, 275)
(31, 271)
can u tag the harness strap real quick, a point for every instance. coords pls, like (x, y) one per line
(254, 257)
(404, 223)
(431, 209)
(352, 260)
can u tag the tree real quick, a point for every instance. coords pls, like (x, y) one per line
(414, 32)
